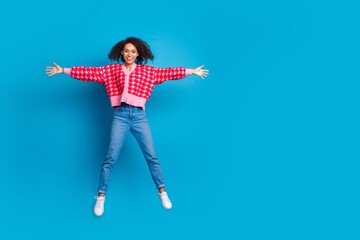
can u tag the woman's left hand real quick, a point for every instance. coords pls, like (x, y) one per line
(200, 72)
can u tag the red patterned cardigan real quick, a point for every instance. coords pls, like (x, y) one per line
(133, 87)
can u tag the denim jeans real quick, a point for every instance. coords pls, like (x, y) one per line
(127, 117)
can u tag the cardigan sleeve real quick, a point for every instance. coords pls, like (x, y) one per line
(87, 74)
(163, 74)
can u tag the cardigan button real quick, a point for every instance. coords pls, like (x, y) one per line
(125, 99)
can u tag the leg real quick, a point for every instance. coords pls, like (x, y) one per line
(119, 129)
(141, 130)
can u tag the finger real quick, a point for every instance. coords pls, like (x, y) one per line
(205, 70)
(55, 64)
(49, 67)
(201, 66)
(202, 77)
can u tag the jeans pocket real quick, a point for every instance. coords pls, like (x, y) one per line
(118, 108)
(139, 111)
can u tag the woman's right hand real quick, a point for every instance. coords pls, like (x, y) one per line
(54, 70)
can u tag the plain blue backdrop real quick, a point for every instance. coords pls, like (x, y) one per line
(266, 147)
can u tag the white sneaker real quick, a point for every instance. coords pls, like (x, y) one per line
(99, 205)
(165, 200)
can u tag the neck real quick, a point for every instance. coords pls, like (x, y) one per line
(128, 66)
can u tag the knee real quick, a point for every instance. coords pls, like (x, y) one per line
(108, 163)
(111, 157)
(153, 160)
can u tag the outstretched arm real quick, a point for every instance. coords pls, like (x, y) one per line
(86, 74)
(164, 74)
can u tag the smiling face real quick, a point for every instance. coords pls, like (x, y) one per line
(129, 53)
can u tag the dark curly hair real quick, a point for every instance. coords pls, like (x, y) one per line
(142, 47)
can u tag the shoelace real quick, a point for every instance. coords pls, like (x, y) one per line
(99, 202)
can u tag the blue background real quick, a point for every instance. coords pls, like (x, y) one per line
(266, 147)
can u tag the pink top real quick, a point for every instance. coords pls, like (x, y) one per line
(133, 87)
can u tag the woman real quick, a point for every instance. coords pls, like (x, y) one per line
(129, 86)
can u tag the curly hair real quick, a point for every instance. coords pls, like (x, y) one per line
(142, 47)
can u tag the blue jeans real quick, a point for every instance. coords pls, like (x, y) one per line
(127, 117)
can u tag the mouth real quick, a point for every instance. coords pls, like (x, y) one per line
(129, 59)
